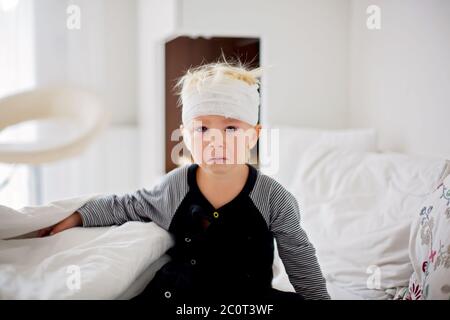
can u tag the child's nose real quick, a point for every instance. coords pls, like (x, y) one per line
(216, 142)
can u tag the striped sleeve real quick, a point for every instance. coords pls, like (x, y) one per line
(295, 250)
(158, 204)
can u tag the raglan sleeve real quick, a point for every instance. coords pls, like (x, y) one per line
(295, 250)
(143, 205)
(115, 210)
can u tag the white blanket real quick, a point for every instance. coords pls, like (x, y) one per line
(80, 263)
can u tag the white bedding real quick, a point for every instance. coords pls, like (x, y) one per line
(281, 282)
(357, 209)
(113, 263)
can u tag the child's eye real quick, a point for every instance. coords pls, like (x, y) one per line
(230, 129)
(201, 129)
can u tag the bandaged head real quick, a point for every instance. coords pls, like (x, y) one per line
(227, 97)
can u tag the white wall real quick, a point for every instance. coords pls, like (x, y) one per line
(157, 21)
(107, 166)
(400, 74)
(100, 56)
(304, 47)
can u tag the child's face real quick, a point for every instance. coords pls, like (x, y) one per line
(216, 141)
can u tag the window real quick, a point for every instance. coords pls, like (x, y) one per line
(16, 74)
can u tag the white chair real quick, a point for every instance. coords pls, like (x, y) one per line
(77, 108)
(80, 107)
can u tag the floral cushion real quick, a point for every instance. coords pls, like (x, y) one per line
(430, 247)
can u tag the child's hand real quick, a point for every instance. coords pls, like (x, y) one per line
(74, 220)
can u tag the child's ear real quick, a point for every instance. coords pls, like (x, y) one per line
(255, 136)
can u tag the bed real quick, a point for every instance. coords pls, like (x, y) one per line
(359, 208)
(363, 211)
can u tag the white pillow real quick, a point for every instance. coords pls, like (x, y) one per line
(357, 208)
(295, 140)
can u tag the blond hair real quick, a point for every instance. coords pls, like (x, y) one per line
(199, 76)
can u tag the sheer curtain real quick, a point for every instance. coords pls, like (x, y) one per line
(16, 46)
(36, 50)
(17, 73)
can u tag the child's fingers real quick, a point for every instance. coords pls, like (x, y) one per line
(65, 224)
(61, 226)
(45, 232)
(42, 232)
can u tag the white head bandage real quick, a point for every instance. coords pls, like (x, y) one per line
(226, 97)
